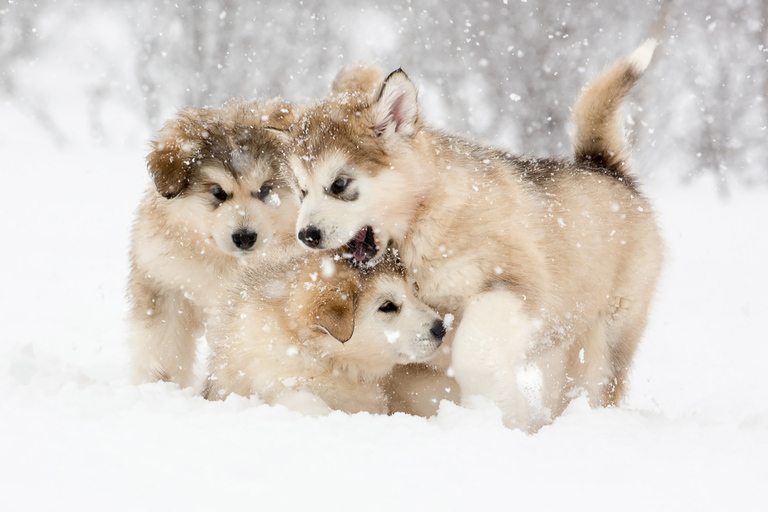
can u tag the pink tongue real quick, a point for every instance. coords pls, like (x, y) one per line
(360, 236)
(360, 252)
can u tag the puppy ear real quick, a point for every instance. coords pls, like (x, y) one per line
(172, 154)
(363, 77)
(396, 110)
(335, 306)
(278, 114)
(337, 318)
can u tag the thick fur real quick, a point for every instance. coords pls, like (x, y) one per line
(184, 248)
(309, 333)
(363, 77)
(599, 137)
(542, 261)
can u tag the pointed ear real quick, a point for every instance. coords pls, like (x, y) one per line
(172, 154)
(396, 110)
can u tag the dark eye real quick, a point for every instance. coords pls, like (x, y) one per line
(389, 307)
(303, 194)
(263, 192)
(218, 193)
(340, 185)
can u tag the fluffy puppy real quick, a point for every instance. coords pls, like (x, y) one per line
(315, 334)
(218, 200)
(548, 265)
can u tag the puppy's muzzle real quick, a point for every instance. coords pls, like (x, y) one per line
(244, 239)
(311, 237)
(438, 331)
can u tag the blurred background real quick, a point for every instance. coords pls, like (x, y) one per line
(104, 73)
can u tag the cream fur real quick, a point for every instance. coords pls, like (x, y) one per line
(274, 339)
(182, 250)
(540, 260)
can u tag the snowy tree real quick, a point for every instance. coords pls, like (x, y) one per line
(506, 71)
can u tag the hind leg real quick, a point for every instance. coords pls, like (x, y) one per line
(163, 339)
(489, 349)
(623, 347)
(599, 360)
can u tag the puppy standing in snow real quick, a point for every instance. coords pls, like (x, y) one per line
(549, 266)
(315, 334)
(219, 200)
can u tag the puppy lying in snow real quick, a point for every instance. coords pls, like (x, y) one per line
(316, 334)
(219, 200)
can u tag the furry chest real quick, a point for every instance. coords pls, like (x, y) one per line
(445, 284)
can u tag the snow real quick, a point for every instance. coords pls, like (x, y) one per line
(693, 433)
(76, 435)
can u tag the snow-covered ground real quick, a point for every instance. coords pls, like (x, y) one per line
(75, 435)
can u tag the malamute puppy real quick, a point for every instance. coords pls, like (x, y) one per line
(315, 334)
(549, 266)
(219, 199)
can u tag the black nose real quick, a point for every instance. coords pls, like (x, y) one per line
(438, 330)
(244, 239)
(310, 236)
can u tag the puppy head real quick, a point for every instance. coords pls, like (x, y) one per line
(223, 174)
(367, 319)
(353, 170)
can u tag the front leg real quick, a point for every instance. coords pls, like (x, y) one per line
(164, 330)
(489, 350)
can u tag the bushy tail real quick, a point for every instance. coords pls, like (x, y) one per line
(599, 135)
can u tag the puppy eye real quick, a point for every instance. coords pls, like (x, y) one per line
(303, 194)
(218, 193)
(340, 185)
(389, 307)
(263, 192)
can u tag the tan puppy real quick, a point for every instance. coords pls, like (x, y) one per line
(219, 199)
(549, 266)
(315, 334)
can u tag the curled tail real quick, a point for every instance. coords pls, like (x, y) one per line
(599, 135)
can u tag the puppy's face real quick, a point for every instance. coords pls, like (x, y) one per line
(353, 171)
(223, 175)
(240, 213)
(371, 320)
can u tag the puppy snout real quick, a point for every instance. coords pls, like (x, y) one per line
(244, 239)
(310, 236)
(438, 331)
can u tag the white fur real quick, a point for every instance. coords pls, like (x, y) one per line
(641, 57)
(489, 349)
(267, 346)
(183, 250)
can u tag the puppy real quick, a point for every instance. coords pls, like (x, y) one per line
(548, 265)
(315, 334)
(219, 200)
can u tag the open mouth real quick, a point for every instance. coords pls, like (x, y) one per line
(363, 247)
